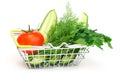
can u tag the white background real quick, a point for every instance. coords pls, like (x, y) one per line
(103, 15)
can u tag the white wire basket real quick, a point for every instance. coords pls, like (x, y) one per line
(50, 56)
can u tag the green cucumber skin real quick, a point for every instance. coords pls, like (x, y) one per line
(84, 20)
(48, 23)
(37, 60)
(67, 59)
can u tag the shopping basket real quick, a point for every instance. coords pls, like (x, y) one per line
(50, 56)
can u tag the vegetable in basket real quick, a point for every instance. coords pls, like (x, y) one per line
(48, 24)
(30, 37)
(36, 60)
(66, 59)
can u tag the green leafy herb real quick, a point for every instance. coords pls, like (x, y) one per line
(71, 29)
(91, 37)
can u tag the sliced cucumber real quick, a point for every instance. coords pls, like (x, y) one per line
(84, 20)
(67, 59)
(48, 23)
(54, 60)
(37, 60)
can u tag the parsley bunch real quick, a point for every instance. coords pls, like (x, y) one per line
(91, 37)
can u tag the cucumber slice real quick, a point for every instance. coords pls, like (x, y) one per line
(84, 20)
(37, 60)
(54, 60)
(48, 23)
(67, 59)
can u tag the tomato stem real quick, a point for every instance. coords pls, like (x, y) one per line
(29, 30)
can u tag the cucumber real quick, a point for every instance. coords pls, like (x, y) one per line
(37, 60)
(84, 20)
(48, 23)
(67, 59)
(54, 60)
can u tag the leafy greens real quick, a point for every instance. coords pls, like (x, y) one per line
(70, 30)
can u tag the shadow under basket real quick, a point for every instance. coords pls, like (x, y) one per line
(49, 56)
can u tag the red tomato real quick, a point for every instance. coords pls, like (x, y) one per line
(29, 52)
(33, 38)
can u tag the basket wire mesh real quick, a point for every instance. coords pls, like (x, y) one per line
(50, 56)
